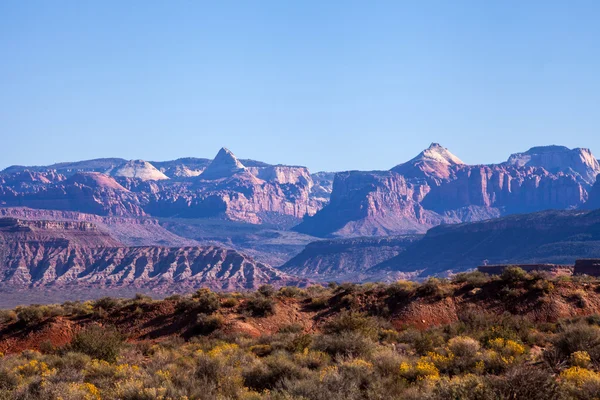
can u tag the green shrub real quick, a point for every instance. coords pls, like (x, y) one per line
(142, 298)
(30, 315)
(230, 302)
(473, 279)
(106, 303)
(100, 342)
(8, 316)
(513, 274)
(435, 287)
(266, 290)
(401, 290)
(578, 337)
(348, 321)
(271, 372)
(207, 302)
(318, 303)
(206, 324)
(260, 306)
(291, 291)
(345, 344)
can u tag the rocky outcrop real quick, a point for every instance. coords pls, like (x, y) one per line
(434, 162)
(345, 259)
(437, 188)
(593, 202)
(577, 162)
(51, 253)
(139, 169)
(225, 165)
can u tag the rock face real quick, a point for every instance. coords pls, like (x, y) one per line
(554, 159)
(92, 193)
(345, 259)
(139, 169)
(225, 165)
(594, 199)
(434, 162)
(436, 187)
(53, 253)
(222, 188)
(130, 231)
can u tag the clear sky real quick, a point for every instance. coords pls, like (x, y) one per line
(333, 85)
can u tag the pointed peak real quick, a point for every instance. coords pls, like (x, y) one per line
(225, 164)
(438, 153)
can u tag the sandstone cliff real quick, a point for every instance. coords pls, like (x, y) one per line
(436, 187)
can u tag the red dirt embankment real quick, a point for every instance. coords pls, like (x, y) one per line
(144, 320)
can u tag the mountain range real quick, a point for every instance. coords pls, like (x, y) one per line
(355, 225)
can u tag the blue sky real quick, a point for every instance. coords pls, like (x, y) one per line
(333, 85)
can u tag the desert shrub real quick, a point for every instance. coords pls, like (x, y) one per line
(525, 382)
(543, 285)
(30, 315)
(593, 319)
(272, 371)
(464, 346)
(578, 337)
(348, 321)
(266, 290)
(346, 288)
(401, 290)
(230, 302)
(435, 287)
(103, 343)
(173, 297)
(260, 306)
(185, 305)
(142, 298)
(422, 341)
(509, 293)
(207, 301)
(206, 324)
(469, 387)
(8, 316)
(299, 343)
(472, 279)
(291, 291)
(261, 350)
(581, 383)
(579, 298)
(513, 274)
(291, 328)
(78, 308)
(345, 344)
(318, 303)
(106, 303)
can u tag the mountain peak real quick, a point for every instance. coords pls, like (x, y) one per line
(436, 152)
(436, 161)
(139, 169)
(559, 159)
(224, 165)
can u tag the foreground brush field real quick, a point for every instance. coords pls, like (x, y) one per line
(515, 336)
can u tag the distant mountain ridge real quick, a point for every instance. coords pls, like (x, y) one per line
(436, 187)
(36, 253)
(433, 188)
